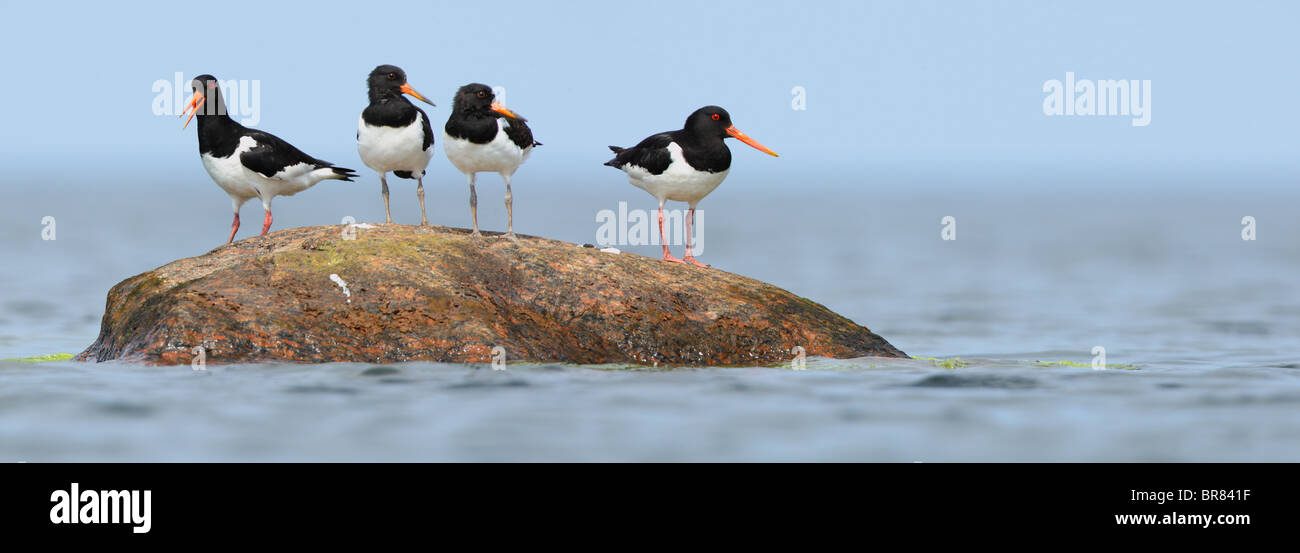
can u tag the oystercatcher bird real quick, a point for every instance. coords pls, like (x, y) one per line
(683, 165)
(482, 135)
(248, 163)
(394, 135)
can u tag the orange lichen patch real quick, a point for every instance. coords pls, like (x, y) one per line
(440, 295)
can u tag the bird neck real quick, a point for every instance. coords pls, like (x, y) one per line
(694, 139)
(706, 152)
(471, 111)
(216, 131)
(390, 111)
(386, 95)
(476, 125)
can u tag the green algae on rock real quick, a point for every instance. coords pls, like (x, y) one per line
(41, 358)
(392, 293)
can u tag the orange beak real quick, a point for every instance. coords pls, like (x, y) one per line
(406, 89)
(196, 103)
(735, 133)
(503, 111)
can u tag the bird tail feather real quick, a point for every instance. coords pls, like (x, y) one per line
(617, 151)
(343, 174)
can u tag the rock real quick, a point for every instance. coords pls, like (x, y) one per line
(398, 293)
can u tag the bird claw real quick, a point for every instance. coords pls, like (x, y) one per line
(671, 259)
(692, 261)
(510, 236)
(476, 234)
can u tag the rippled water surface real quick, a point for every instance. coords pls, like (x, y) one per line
(1200, 330)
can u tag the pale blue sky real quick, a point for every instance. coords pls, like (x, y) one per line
(891, 86)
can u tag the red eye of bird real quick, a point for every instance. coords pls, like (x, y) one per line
(716, 117)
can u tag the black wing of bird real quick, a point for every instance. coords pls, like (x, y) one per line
(273, 155)
(651, 154)
(519, 133)
(428, 129)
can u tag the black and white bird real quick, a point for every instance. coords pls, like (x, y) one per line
(394, 135)
(683, 165)
(248, 163)
(482, 135)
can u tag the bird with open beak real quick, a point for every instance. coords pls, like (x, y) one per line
(248, 163)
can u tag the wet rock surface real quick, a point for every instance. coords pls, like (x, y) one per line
(398, 293)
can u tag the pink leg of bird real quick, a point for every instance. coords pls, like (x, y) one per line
(688, 258)
(234, 227)
(663, 239)
(266, 223)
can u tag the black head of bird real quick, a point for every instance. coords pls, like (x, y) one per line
(389, 82)
(478, 99)
(715, 122)
(206, 100)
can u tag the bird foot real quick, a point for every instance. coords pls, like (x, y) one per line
(691, 259)
(476, 234)
(510, 236)
(425, 223)
(669, 258)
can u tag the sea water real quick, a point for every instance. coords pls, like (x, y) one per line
(1199, 328)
